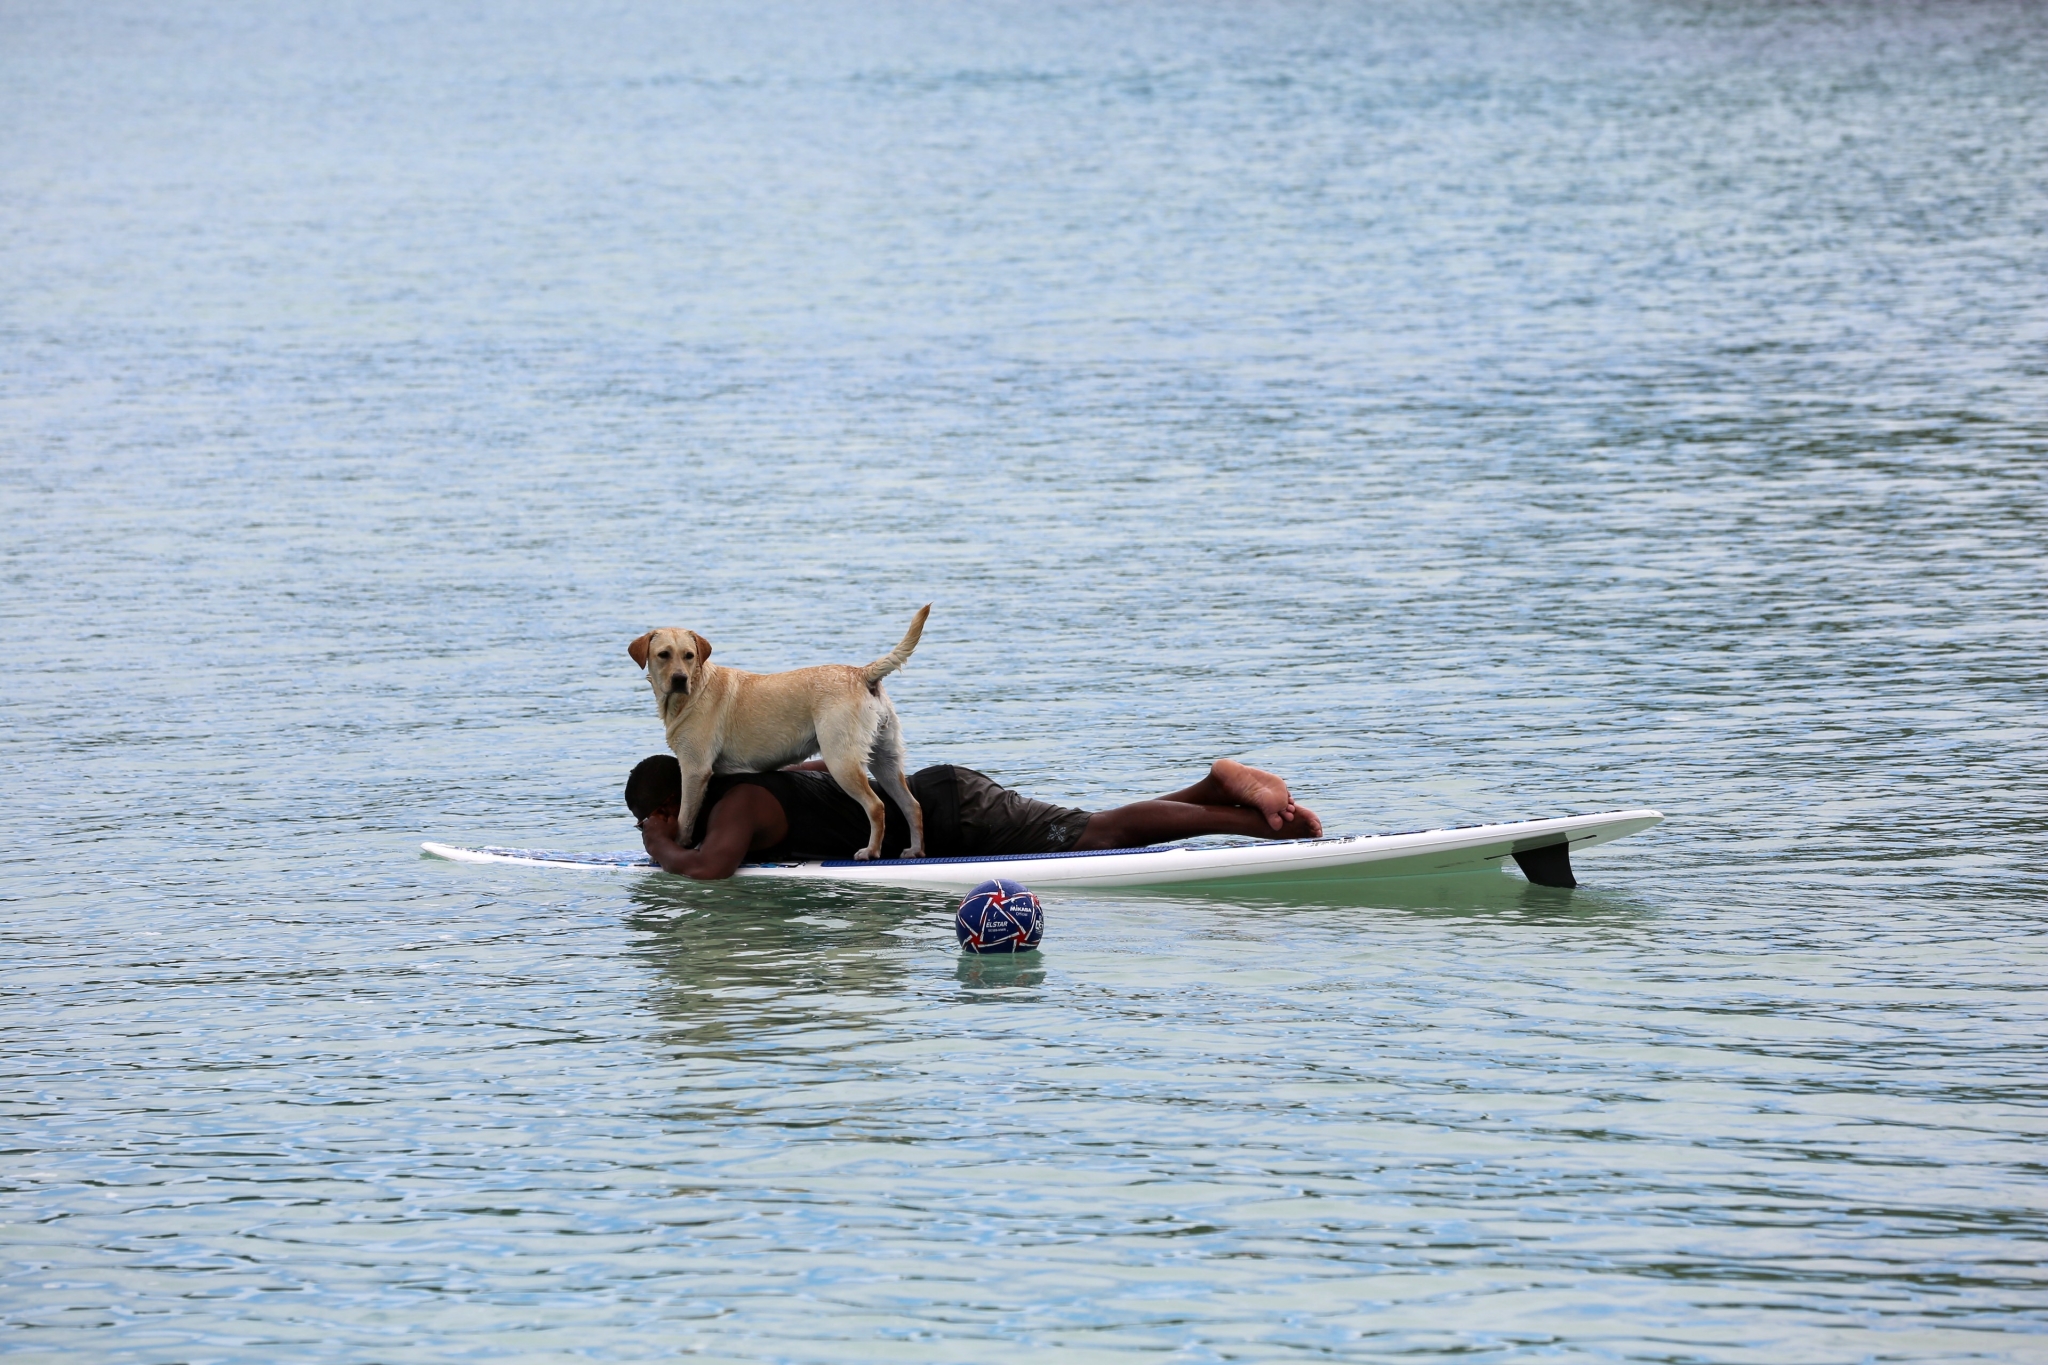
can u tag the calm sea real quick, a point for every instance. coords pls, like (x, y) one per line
(1471, 410)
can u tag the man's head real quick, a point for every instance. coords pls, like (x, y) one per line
(675, 660)
(656, 783)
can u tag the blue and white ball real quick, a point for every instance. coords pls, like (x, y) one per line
(999, 917)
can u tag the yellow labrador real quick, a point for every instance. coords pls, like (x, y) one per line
(726, 720)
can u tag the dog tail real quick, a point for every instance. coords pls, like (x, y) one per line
(899, 656)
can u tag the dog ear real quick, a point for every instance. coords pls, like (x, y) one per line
(638, 649)
(703, 647)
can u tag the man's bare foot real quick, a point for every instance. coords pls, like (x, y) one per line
(1302, 824)
(1264, 793)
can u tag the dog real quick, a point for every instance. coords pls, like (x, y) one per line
(726, 720)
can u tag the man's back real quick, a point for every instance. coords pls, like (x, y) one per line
(824, 822)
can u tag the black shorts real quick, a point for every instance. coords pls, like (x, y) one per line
(968, 815)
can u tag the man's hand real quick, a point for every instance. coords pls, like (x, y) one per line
(659, 824)
(660, 835)
(744, 818)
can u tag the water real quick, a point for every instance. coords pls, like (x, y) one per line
(1471, 411)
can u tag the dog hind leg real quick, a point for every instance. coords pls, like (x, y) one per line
(844, 743)
(886, 760)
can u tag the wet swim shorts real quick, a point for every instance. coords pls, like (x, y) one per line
(968, 814)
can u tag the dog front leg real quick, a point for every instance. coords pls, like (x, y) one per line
(695, 783)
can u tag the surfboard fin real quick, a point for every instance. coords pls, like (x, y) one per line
(1550, 865)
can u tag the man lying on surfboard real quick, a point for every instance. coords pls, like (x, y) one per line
(799, 814)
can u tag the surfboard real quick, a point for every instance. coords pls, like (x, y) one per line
(1542, 848)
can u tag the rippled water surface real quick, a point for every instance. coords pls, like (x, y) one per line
(1473, 411)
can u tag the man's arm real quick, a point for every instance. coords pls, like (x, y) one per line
(745, 818)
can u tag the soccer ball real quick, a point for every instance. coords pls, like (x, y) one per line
(999, 917)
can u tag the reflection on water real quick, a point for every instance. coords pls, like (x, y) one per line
(742, 957)
(1001, 977)
(1472, 412)
(1487, 890)
(1481, 895)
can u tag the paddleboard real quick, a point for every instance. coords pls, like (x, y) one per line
(1543, 849)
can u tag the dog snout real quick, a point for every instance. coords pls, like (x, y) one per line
(679, 682)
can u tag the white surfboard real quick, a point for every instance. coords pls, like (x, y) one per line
(1541, 847)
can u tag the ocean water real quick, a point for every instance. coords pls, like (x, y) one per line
(1469, 410)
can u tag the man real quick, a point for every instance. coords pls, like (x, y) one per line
(798, 814)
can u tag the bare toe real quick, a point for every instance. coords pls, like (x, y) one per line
(1302, 824)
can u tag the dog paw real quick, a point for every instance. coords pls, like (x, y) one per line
(917, 852)
(861, 855)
